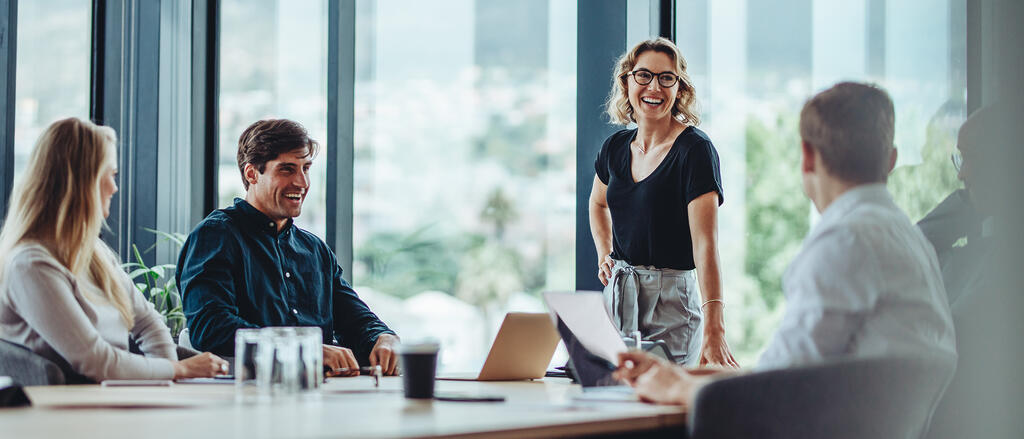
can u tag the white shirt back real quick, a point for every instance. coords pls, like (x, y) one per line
(865, 284)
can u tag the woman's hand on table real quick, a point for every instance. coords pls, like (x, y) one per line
(204, 365)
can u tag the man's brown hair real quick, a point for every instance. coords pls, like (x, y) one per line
(264, 140)
(851, 125)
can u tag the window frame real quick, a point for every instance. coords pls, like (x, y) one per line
(8, 70)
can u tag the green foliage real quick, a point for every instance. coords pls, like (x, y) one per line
(489, 273)
(481, 269)
(917, 189)
(777, 210)
(777, 219)
(157, 283)
(500, 211)
(407, 264)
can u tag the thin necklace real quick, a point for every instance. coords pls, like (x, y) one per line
(643, 151)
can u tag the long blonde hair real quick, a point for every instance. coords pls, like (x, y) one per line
(620, 111)
(57, 201)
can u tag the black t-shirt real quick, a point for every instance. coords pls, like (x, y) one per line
(649, 220)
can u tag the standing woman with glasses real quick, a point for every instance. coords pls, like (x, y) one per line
(62, 293)
(654, 210)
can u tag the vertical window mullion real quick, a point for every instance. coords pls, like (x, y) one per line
(340, 129)
(125, 95)
(205, 123)
(8, 70)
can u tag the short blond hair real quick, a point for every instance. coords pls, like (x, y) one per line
(620, 111)
(851, 125)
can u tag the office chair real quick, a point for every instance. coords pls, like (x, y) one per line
(880, 397)
(26, 367)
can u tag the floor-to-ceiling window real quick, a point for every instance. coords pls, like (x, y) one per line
(464, 203)
(53, 65)
(273, 64)
(754, 64)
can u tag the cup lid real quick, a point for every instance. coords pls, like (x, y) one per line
(419, 347)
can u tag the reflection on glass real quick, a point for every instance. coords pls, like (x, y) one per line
(465, 164)
(274, 65)
(755, 63)
(53, 69)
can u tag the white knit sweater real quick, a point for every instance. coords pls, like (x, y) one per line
(46, 308)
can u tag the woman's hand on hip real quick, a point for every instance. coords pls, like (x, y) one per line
(604, 269)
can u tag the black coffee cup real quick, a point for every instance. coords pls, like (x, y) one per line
(419, 364)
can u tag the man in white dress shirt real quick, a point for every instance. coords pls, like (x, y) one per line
(866, 282)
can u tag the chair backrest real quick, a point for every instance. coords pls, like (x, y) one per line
(183, 339)
(880, 397)
(26, 367)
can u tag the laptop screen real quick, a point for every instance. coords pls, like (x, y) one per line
(590, 370)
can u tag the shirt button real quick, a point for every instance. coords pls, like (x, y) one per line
(287, 274)
(271, 224)
(295, 311)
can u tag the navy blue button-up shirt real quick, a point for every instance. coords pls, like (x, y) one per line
(237, 271)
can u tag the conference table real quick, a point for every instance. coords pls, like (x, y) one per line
(345, 407)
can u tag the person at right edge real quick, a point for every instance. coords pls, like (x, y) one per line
(654, 210)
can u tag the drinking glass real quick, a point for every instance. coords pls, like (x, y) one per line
(277, 362)
(311, 358)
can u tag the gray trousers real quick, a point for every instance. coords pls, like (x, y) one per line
(661, 303)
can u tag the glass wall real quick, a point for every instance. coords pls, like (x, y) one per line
(464, 199)
(53, 69)
(754, 64)
(274, 65)
(464, 203)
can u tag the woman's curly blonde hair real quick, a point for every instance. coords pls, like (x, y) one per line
(618, 107)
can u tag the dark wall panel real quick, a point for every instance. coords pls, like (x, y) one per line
(601, 39)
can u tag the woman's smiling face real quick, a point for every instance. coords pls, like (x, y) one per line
(652, 102)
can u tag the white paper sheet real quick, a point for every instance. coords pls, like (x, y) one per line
(586, 317)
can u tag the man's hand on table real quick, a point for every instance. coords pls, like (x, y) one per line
(384, 353)
(657, 380)
(337, 357)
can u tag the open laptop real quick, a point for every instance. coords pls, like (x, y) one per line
(591, 367)
(521, 350)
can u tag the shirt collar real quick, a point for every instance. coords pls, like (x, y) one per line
(845, 202)
(258, 220)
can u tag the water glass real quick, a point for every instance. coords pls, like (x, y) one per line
(278, 362)
(246, 341)
(311, 358)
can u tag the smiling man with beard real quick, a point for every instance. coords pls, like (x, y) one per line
(249, 266)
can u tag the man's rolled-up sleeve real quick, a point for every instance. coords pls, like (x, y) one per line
(208, 290)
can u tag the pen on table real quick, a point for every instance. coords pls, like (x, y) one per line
(375, 371)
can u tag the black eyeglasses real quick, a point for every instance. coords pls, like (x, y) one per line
(644, 77)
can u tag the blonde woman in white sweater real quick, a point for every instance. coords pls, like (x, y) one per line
(62, 294)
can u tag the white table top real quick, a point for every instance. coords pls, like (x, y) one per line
(346, 407)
